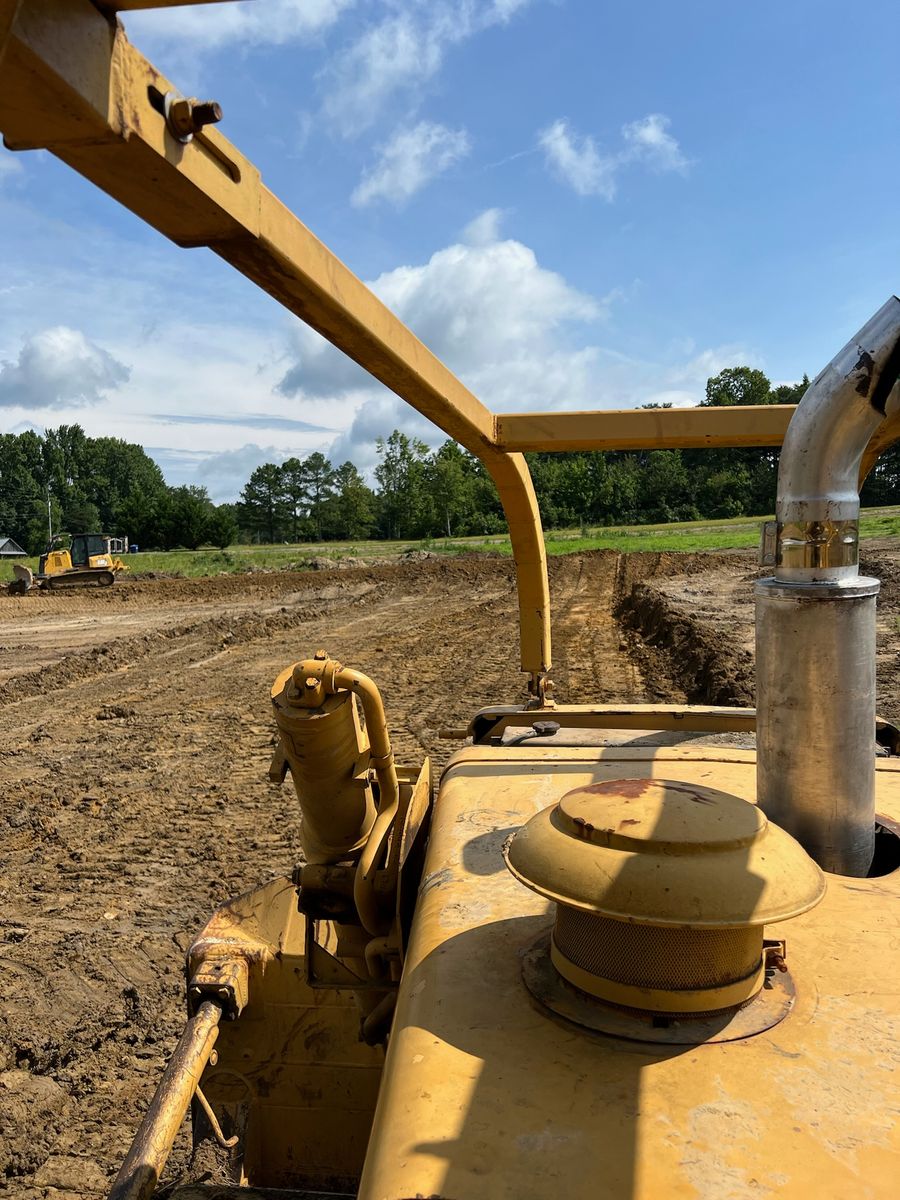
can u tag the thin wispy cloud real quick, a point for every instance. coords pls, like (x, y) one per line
(483, 229)
(410, 160)
(649, 141)
(576, 160)
(243, 420)
(377, 54)
(11, 169)
(212, 26)
(400, 54)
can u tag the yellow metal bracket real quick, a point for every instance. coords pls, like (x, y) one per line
(676, 718)
(324, 970)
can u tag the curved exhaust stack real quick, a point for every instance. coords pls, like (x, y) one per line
(815, 619)
(818, 476)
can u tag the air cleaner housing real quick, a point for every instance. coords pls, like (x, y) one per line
(662, 891)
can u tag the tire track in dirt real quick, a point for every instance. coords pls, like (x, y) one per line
(593, 657)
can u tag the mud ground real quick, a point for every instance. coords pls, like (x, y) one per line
(135, 737)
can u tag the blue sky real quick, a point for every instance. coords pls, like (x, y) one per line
(576, 205)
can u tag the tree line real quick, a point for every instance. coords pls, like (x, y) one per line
(112, 486)
(89, 485)
(419, 493)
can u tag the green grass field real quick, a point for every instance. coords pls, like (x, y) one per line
(738, 533)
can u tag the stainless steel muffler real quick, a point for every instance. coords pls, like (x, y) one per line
(815, 619)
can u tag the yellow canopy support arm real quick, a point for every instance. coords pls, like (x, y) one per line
(887, 433)
(646, 428)
(114, 6)
(287, 261)
(73, 84)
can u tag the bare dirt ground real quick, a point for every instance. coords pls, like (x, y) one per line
(135, 736)
(700, 627)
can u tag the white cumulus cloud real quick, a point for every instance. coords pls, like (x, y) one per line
(520, 336)
(59, 367)
(409, 160)
(508, 326)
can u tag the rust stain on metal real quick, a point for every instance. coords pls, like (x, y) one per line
(628, 789)
(632, 789)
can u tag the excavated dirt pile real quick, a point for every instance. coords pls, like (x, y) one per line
(135, 737)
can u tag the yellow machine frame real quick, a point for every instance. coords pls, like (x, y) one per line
(464, 1049)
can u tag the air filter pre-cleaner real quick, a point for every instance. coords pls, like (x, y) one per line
(662, 890)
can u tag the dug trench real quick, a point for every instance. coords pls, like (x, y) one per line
(135, 737)
(696, 628)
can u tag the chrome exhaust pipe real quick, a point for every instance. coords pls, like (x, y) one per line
(815, 619)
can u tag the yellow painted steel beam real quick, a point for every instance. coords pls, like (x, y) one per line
(645, 428)
(73, 84)
(9, 10)
(887, 433)
(125, 5)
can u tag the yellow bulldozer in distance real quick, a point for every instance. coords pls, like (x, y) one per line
(88, 558)
(559, 968)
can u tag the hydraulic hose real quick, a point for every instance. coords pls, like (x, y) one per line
(382, 762)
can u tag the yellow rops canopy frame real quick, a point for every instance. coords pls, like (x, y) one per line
(72, 83)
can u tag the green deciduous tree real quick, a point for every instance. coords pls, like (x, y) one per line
(665, 488)
(737, 385)
(81, 516)
(451, 484)
(222, 527)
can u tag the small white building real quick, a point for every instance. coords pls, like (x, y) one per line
(10, 549)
